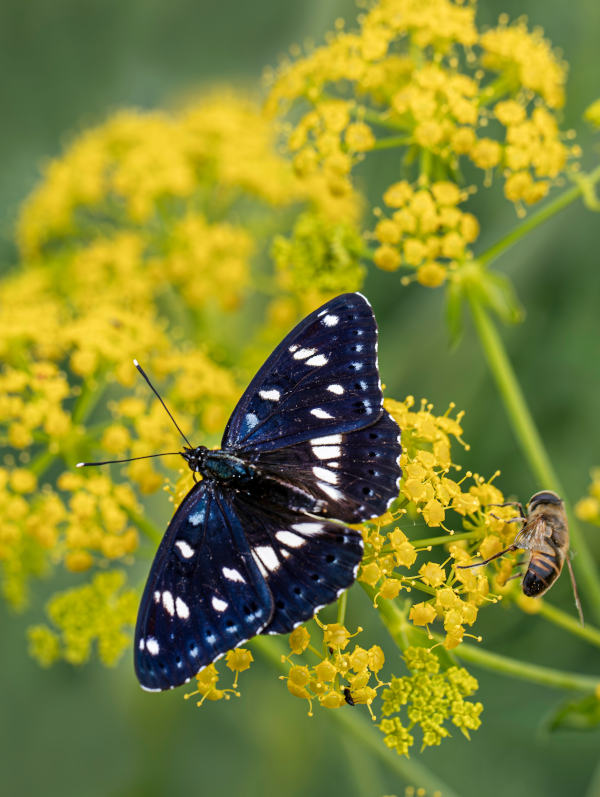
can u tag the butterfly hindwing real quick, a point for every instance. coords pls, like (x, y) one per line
(204, 595)
(307, 562)
(352, 476)
(322, 378)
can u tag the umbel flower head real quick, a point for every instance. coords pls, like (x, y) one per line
(421, 77)
(142, 240)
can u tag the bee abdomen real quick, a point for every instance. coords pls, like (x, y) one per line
(542, 572)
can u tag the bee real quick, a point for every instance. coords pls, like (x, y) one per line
(545, 534)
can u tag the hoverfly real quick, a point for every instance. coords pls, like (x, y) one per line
(545, 534)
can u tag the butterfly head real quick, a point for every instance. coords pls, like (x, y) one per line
(195, 457)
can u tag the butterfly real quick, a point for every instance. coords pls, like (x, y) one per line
(260, 544)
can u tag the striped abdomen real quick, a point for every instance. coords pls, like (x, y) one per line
(543, 570)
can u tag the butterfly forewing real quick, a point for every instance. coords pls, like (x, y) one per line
(205, 593)
(322, 378)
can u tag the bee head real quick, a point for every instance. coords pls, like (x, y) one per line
(544, 497)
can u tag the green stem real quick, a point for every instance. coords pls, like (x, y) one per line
(546, 676)
(393, 618)
(146, 526)
(569, 623)
(42, 462)
(445, 539)
(542, 215)
(531, 443)
(342, 604)
(390, 142)
(362, 730)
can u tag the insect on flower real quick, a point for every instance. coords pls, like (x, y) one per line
(545, 534)
(260, 544)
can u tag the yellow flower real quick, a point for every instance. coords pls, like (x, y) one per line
(422, 613)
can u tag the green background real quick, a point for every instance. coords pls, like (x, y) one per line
(66, 65)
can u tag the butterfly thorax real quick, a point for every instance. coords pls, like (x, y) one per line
(222, 466)
(236, 472)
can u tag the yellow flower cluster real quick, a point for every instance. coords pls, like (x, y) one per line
(237, 660)
(129, 251)
(101, 611)
(320, 258)
(427, 490)
(98, 519)
(426, 230)
(341, 676)
(28, 532)
(429, 698)
(417, 75)
(588, 508)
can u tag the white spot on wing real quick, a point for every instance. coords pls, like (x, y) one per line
(233, 575)
(302, 354)
(293, 348)
(322, 414)
(332, 492)
(290, 539)
(330, 320)
(270, 395)
(325, 475)
(152, 646)
(142, 644)
(308, 528)
(251, 420)
(157, 597)
(219, 605)
(182, 609)
(317, 360)
(326, 452)
(168, 603)
(196, 518)
(186, 550)
(327, 440)
(267, 556)
(337, 389)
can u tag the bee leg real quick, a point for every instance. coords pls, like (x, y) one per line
(512, 519)
(513, 503)
(575, 593)
(512, 547)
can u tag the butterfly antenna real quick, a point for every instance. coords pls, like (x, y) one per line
(156, 393)
(130, 459)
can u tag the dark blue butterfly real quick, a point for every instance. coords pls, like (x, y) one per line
(260, 545)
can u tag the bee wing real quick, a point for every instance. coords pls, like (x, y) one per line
(532, 535)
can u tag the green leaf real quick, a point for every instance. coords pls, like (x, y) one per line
(498, 293)
(576, 715)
